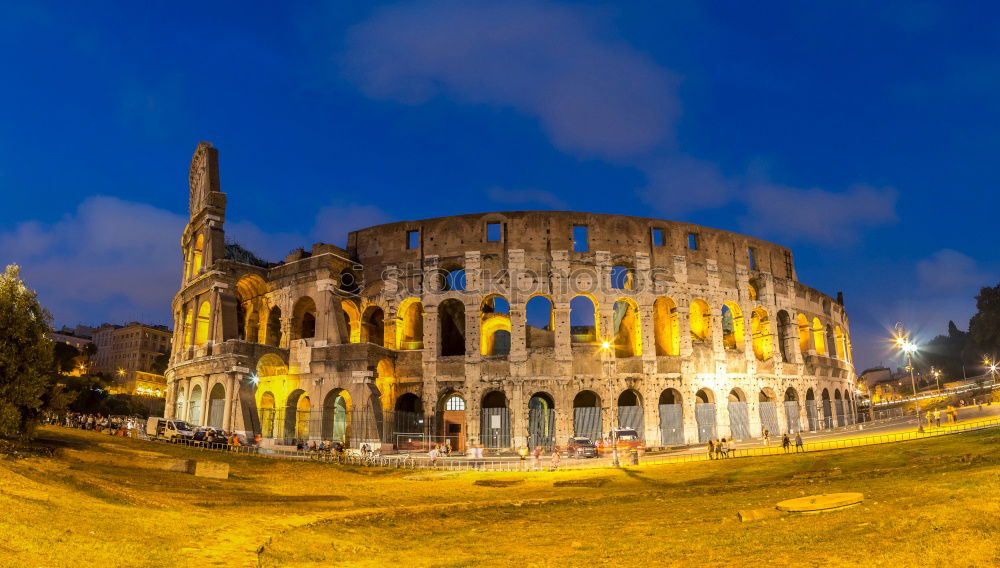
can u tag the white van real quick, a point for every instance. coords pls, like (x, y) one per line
(168, 429)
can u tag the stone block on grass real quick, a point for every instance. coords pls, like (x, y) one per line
(210, 469)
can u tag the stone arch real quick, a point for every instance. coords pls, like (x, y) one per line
(410, 325)
(700, 316)
(180, 403)
(250, 291)
(304, 318)
(353, 316)
(337, 416)
(671, 409)
(451, 409)
(408, 416)
(587, 414)
(216, 406)
(495, 429)
(622, 277)
(760, 332)
(297, 417)
(839, 343)
(831, 347)
(630, 414)
(767, 408)
(272, 334)
(739, 418)
(188, 328)
(704, 414)
(373, 326)
(827, 408)
(583, 319)
(838, 407)
(541, 421)
(494, 326)
(540, 327)
(733, 329)
(805, 334)
(792, 410)
(627, 328)
(452, 278)
(194, 406)
(203, 323)
(666, 327)
(819, 336)
(451, 322)
(784, 326)
(197, 256)
(266, 409)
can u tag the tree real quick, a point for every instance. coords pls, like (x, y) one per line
(160, 363)
(64, 356)
(25, 355)
(984, 327)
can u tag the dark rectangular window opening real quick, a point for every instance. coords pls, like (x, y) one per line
(750, 258)
(788, 264)
(659, 239)
(692, 241)
(494, 232)
(580, 241)
(412, 239)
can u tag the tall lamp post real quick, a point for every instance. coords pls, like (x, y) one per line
(612, 402)
(909, 348)
(937, 378)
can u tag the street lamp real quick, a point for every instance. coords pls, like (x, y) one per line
(937, 377)
(605, 348)
(909, 348)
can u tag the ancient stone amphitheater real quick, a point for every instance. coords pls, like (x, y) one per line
(502, 329)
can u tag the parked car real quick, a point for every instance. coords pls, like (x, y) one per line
(211, 435)
(580, 447)
(626, 440)
(167, 429)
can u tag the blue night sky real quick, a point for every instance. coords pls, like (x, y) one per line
(862, 135)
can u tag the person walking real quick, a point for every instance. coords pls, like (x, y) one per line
(798, 443)
(731, 449)
(555, 460)
(718, 448)
(765, 436)
(937, 417)
(785, 442)
(711, 449)
(929, 419)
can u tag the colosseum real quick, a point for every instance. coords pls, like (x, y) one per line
(504, 330)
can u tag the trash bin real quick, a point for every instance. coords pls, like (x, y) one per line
(635, 457)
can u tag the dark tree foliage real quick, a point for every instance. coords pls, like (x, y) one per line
(984, 327)
(25, 355)
(63, 355)
(949, 353)
(160, 363)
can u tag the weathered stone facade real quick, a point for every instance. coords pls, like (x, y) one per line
(453, 327)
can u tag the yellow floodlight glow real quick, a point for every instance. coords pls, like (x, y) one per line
(606, 344)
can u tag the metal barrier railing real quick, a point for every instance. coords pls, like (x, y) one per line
(355, 457)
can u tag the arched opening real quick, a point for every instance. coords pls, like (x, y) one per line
(194, 406)
(409, 420)
(216, 406)
(337, 416)
(266, 410)
(701, 321)
(410, 325)
(838, 335)
(587, 415)
(760, 330)
(752, 292)
(819, 337)
(250, 291)
(839, 408)
(197, 256)
(630, 412)
(272, 335)
(349, 282)
(583, 320)
(792, 410)
(373, 326)
(827, 409)
(452, 410)
(622, 278)
(804, 333)
(451, 319)
(494, 326)
(739, 415)
(767, 408)
(353, 317)
(541, 421)
(495, 421)
(831, 347)
(812, 411)
(627, 330)
(784, 326)
(188, 328)
(304, 318)
(201, 327)
(704, 414)
(296, 417)
(180, 404)
(732, 326)
(452, 279)
(666, 327)
(671, 418)
(539, 330)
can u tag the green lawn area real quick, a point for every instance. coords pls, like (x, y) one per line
(927, 503)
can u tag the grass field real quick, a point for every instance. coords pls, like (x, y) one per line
(927, 503)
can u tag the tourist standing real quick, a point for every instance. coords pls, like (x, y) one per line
(711, 449)
(937, 417)
(732, 448)
(798, 443)
(785, 442)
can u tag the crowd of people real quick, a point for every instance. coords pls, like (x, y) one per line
(723, 448)
(126, 426)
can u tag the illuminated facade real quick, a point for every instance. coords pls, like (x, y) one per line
(127, 353)
(503, 329)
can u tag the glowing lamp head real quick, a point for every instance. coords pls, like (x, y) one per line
(606, 345)
(254, 378)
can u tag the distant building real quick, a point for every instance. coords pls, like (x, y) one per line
(70, 339)
(127, 353)
(81, 363)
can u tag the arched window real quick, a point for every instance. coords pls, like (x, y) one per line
(732, 326)
(583, 320)
(304, 318)
(373, 326)
(701, 321)
(201, 328)
(622, 278)
(666, 327)
(451, 321)
(197, 256)
(819, 337)
(627, 330)
(452, 279)
(188, 328)
(353, 317)
(494, 326)
(760, 329)
(803, 324)
(539, 329)
(410, 324)
(273, 332)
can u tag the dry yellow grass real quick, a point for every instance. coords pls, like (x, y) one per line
(931, 502)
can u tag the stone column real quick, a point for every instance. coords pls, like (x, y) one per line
(518, 405)
(690, 419)
(563, 341)
(518, 330)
